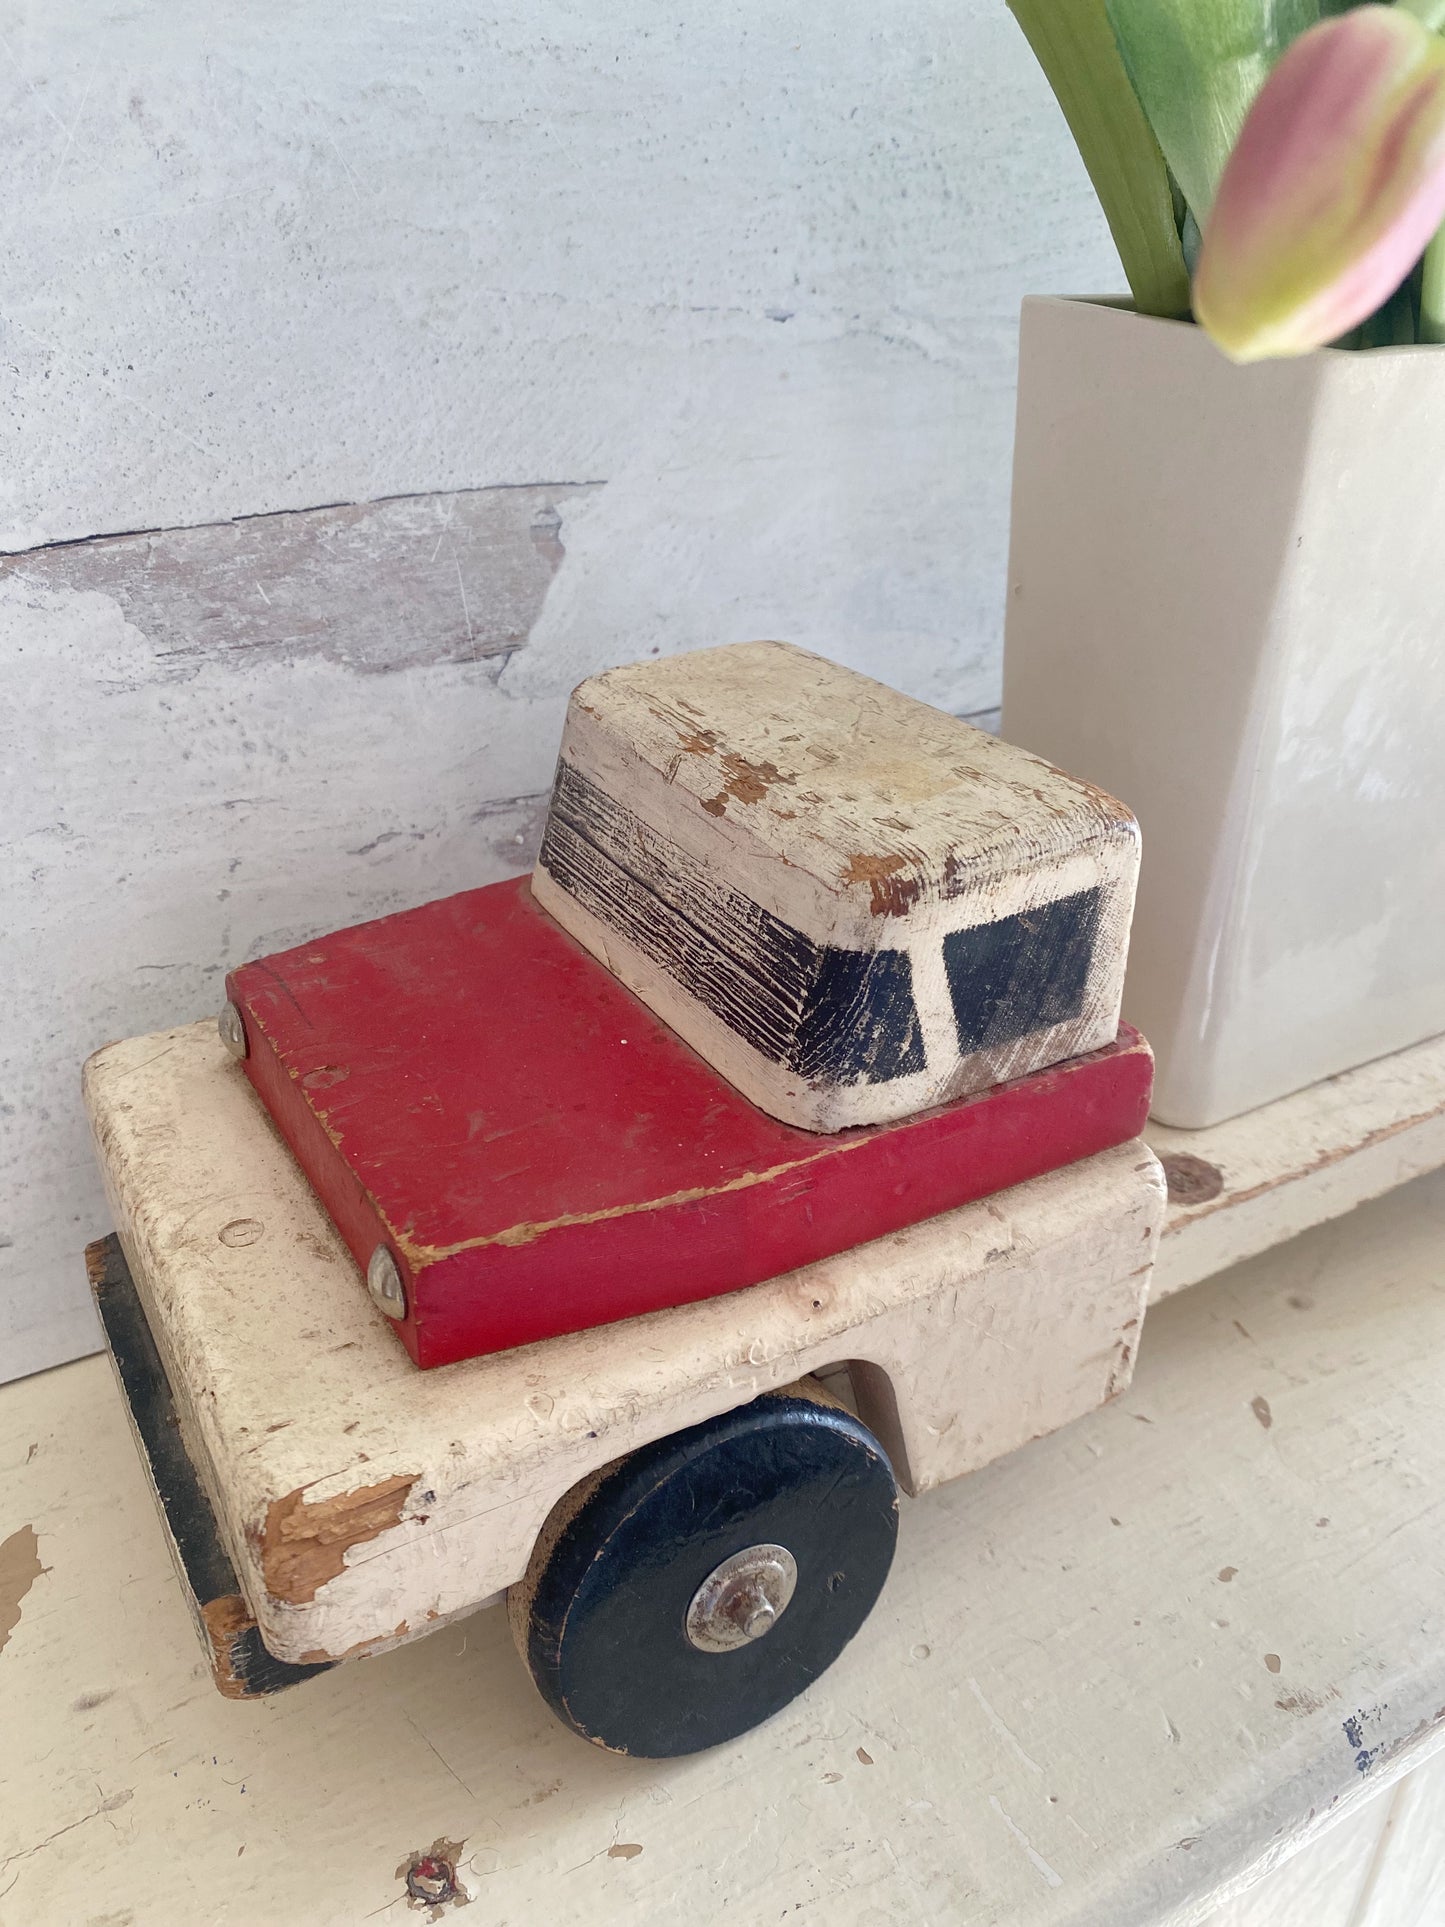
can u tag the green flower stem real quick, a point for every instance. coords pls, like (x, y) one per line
(1392, 325)
(1432, 276)
(1432, 291)
(1075, 47)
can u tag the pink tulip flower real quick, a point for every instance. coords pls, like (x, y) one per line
(1334, 187)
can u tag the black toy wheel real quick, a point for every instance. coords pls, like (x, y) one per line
(688, 1592)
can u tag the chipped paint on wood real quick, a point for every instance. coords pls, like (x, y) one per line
(20, 1567)
(292, 370)
(724, 909)
(1016, 1579)
(305, 1541)
(227, 1621)
(430, 1878)
(194, 1136)
(240, 1664)
(890, 895)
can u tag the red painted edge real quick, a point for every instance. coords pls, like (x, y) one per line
(854, 1187)
(674, 1256)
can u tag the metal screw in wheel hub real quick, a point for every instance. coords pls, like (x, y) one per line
(232, 1027)
(383, 1281)
(742, 1600)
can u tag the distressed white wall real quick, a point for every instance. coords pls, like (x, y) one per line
(754, 269)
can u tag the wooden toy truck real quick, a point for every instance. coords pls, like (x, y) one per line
(777, 1145)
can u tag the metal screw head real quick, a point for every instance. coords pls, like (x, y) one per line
(232, 1028)
(742, 1599)
(383, 1281)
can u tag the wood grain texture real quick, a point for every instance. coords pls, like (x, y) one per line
(540, 1154)
(1036, 1685)
(854, 905)
(973, 1332)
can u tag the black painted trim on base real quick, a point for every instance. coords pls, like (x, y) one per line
(242, 1666)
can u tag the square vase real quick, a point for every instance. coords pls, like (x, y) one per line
(1226, 606)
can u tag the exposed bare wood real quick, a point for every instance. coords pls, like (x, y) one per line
(304, 1543)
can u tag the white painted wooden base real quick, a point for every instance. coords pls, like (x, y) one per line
(1062, 1713)
(364, 1502)
(256, 1300)
(1239, 1187)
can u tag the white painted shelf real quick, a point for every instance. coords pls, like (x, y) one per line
(1110, 1677)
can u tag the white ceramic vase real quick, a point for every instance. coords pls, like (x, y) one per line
(1227, 607)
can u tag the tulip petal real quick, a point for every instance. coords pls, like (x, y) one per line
(1334, 187)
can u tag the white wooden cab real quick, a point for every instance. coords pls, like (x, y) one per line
(852, 904)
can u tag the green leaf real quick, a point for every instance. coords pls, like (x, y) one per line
(1196, 66)
(1393, 324)
(1076, 49)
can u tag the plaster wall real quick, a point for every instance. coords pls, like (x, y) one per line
(680, 326)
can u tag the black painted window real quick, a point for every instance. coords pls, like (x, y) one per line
(1023, 973)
